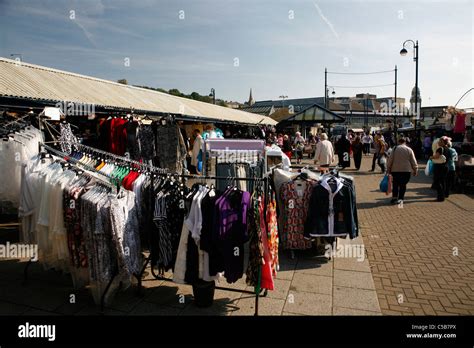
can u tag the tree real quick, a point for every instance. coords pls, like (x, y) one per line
(195, 96)
(123, 81)
(175, 92)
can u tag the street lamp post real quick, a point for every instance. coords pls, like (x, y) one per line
(326, 97)
(404, 52)
(213, 95)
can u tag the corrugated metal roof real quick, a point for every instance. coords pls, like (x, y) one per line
(261, 110)
(24, 80)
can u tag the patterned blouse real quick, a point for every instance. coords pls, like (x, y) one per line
(294, 211)
(273, 241)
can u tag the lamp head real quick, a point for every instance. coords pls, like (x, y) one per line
(403, 51)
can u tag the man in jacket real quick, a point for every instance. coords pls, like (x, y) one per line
(401, 164)
(324, 155)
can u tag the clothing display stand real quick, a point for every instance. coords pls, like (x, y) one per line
(245, 150)
(257, 289)
(228, 148)
(333, 170)
(153, 172)
(107, 181)
(143, 166)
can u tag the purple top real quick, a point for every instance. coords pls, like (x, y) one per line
(231, 232)
(231, 214)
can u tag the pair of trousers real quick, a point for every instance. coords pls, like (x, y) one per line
(374, 159)
(400, 181)
(440, 173)
(449, 182)
(357, 159)
(366, 148)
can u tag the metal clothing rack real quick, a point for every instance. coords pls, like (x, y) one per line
(158, 277)
(107, 155)
(155, 171)
(332, 170)
(84, 166)
(163, 172)
(90, 171)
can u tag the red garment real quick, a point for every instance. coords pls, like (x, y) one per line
(118, 136)
(129, 179)
(267, 276)
(460, 124)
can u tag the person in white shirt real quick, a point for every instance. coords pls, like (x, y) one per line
(324, 152)
(367, 140)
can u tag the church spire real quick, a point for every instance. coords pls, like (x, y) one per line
(251, 101)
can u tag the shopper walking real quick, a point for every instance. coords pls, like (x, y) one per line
(367, 141)
(324, 155)
(343, 149)
(287, 148)
(440, 160)
(401, 164)
(299, 143)
(379, 155)
(427, 142)
(357, 152)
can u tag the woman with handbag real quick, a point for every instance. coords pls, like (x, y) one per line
(440, 168)
(299, 143)
(401, 164)
(382, 155)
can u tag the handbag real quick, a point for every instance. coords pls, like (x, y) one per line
(382, 160)
(429, 168)
(384, 184)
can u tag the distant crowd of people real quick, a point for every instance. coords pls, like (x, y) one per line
(397, 157)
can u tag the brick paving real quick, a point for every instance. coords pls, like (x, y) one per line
(421, 255)
(410, 270)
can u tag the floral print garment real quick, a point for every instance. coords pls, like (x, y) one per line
(294, 212)
(272, 225)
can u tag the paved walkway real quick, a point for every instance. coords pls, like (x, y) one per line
(420, 261)
(306, 285)
(421, 254)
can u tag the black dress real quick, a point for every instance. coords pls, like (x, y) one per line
(343, 148)
(357, 153)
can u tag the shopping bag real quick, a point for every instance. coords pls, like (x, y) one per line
(389, 188)
(429, 168)
(384, 184)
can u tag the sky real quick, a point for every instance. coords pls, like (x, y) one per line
(277, 48)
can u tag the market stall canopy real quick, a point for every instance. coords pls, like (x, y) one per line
(22, 80)
(314, 114)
